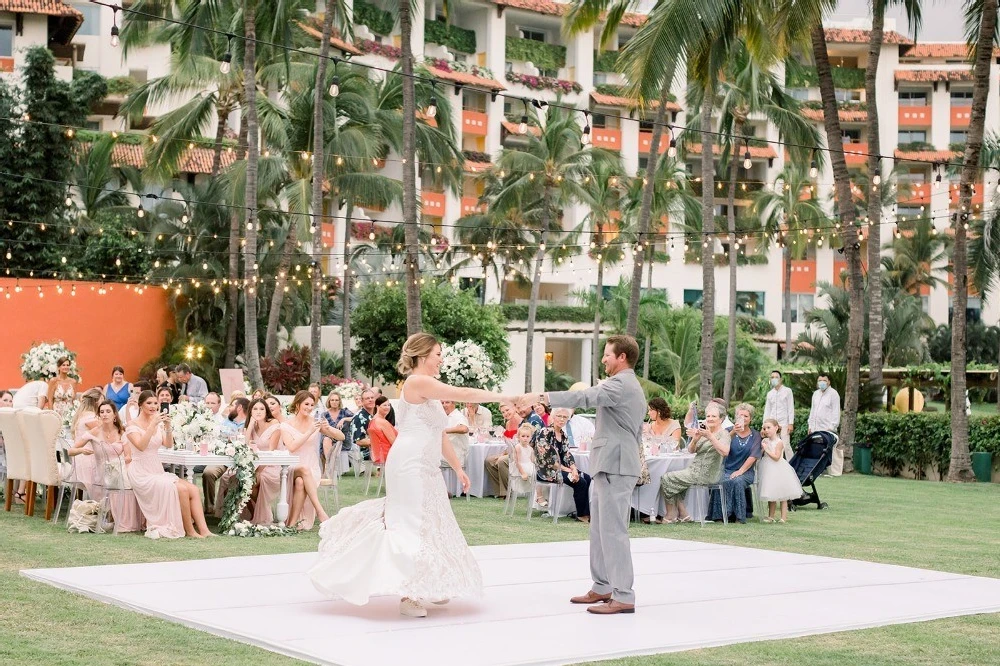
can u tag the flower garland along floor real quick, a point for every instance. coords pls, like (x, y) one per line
(244, 468)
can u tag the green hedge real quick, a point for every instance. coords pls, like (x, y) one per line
(378, 20)
(915, 147)
(572, 313)
(755, 325)
(542, 55)
(847, 78)
(460, 39)
(605, 62)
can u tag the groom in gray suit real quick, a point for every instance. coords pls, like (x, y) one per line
(615, 467)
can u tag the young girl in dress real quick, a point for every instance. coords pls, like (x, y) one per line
(778, 481)
(524, 459)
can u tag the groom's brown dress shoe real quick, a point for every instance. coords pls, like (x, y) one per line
(611, 608)
(591, 598)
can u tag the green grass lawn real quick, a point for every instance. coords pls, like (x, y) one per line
(913, 523)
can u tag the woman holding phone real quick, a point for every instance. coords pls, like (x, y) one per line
(709, 444)
(299, 435)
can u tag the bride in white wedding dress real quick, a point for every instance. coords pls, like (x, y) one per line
(408, 543)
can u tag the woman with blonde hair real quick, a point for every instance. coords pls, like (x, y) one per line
(407, 543)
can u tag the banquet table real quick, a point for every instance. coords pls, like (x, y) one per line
(647, 498)
(475, 466)
(188, 460)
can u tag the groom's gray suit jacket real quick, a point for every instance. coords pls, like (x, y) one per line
(621, 408)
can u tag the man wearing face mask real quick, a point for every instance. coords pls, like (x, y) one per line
(780, 406)
(824, 415)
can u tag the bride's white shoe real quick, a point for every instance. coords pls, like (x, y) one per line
(411, 608)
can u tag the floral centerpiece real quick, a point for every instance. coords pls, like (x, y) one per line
(350, 390)
(39, 363)
(244, 468)
(191, 424)
(465, 363)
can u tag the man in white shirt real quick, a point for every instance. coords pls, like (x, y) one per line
(457, 431)
(824, 415)
(32, 394)
(214, 404)
(780, 406)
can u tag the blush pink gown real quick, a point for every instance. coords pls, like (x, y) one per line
(155, 490)
(269, 482)
(308, 455)
(85, 465)
(124, 506)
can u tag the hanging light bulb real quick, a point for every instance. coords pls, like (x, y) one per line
(432, 108)
(69, 201)
(140, 212)
(813, 169)
(227, 60)
(672, 150)
(522, 128)
(115, 41)
(746, 159)
(937, 181)
(335, 87)
(585, 137)
(876, 179)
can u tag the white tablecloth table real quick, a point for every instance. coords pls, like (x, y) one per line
(647, 498)
(475, 466)
(188, 460)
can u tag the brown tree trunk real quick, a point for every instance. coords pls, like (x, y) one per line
(876, 331)
(734, 165)
(849, 235)
(220, 134)
(536, 285)
(345, 325)
(596, 352)
(252, 347)
(645, 209)
(960, 466)
(647, 348)
(319, 175)
(280, 282)
(233, 297)
(707, 391)
(787, 251)
(411, 227)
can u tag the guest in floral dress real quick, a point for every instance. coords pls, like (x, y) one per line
(554, 459)
(709, 444)
(62, 387)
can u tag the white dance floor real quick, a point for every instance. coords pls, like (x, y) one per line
(690, 595)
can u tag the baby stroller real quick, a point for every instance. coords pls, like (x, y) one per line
(812, 456)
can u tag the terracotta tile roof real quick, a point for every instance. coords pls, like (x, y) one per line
(859, 36)
(336, 42)
(932, 75)
(512, 128)
(72, 17)
(195, 160)
(465, 77)
(940, 50)
(476, 167)
(627, 102)
(765, 152)
(846, 115)
(927, 155)
(560, 8)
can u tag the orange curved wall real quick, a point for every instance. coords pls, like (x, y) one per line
(120, 327)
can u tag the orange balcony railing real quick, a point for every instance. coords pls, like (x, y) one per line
(609, 139)
(914, 116)
(474, 123)
(960, 116)
(433, 204)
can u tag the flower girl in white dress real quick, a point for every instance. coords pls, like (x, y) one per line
(778, 481)
(406, 544)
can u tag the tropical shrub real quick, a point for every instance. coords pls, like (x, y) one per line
(541, 54)
(557, 381)
(572, 313)
(544, 83)
(459, 39)
(378, 20)
(288, 372)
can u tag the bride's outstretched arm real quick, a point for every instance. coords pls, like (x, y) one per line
(421, 387)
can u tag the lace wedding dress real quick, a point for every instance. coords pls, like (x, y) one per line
(406, 544)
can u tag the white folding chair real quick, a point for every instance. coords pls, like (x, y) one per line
(18, 456)
(41, 429)
(372, 465)
(331, 476)
(722, 498)
(68, 478)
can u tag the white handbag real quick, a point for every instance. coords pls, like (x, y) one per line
(116, 474)
(83, 516)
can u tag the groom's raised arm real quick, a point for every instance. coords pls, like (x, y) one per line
(602, 395)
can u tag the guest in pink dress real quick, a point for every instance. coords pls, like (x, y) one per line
(107, 437)
(84, 465)
(171, 506)
(274, 408)
(264, 434)
(299, 434)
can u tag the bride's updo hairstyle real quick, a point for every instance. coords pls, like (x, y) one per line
(416, 347)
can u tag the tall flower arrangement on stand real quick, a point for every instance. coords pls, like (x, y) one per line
(39, 362)
(466, 364)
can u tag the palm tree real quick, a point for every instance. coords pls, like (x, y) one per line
(498, 237)
(548, 174)
(749, 89)
(100, 181)
(414, 323)
(915, 254)
(913, 15)
(981, 24)
(786, 210)
(984, 260)
(252, 347)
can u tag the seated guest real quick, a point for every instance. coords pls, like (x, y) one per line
(167, 377)
(738, 468)
(391, 418)
(359, 425)
(317, 395)
(211, 474)
(554, 459)
(214, 404)
(262, 434)
(543, 412)
(479, 417)
(457, 431)
(337, 416)
(164, 396)
(498, 467)
(381, 433)
(298, 433)
(275, 407)
(108, 436)
(709, 444)
(527, 413)
(170, 505)
(131, 408)
(661, 429)
(192, 388)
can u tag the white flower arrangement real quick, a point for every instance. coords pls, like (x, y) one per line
(244, 467)
(191, 424)
(350, 390)
(39, 362)
(68, 416)
(245, 528)
(465, 363)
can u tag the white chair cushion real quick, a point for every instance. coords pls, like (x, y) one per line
(41, 429)
(18, 465)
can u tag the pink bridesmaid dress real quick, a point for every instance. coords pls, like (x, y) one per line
(155, 490)
(85, 465)
(308, 455)
(124, 506)
(269, 482)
